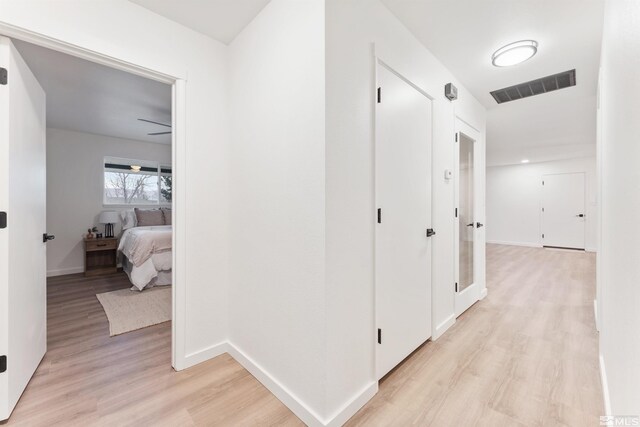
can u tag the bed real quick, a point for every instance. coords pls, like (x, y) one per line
(146, 255)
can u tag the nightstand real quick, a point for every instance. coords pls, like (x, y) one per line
(100, 256)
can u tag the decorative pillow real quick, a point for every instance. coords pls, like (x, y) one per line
(147, 217)
(128, 218)
(167, 215)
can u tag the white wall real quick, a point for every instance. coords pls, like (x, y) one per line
(127, 32)
(514, 201)
(620, 277)
(354, 29)
(74, 189)
(277, 294)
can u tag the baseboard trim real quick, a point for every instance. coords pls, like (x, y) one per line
(594, 250)
(595, 314)
(605, 387)
(442, 327)
(352, 406)
(483, 294)
(203, 355)
(508, 243)
(291, 401)
(65, 271)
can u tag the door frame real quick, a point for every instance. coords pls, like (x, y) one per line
(178, 160)
(379, 62)
(476, 291)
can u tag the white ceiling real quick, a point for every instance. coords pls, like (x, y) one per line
(87, 97)
(463, 34)
(220, 19)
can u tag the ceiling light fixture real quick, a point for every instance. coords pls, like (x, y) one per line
(514, 53)
(524, 161)
(136, 168)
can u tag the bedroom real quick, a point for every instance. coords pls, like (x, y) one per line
(109, 197)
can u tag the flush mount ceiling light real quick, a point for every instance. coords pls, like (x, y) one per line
(136, 168)
(514, 53)
(524, 161)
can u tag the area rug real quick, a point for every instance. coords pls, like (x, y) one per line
(130, 310)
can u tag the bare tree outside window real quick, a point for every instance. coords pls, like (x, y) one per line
(128, 188)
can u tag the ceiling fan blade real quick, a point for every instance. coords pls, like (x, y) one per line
(160, 133)
(155, 123)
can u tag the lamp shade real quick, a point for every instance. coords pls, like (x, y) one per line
(109, 217)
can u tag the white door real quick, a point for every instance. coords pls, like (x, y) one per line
(23, 336)
(563, 210)
(468, 221)
(403, 197)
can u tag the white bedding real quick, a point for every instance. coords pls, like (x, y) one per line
(154, 271)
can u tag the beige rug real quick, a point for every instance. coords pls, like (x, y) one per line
(130, 310)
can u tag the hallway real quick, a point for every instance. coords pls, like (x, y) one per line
(525, 355)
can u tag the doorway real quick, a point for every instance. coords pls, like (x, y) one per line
(403, 234)
(563, 210)
(24, 237)
(467, 212)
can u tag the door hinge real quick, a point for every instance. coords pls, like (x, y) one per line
(543, 236)
(3, 220)
(456, 136)
(379, 216)
(379, 336)
(3, 76)
(3, 364)
(456, 214)
(456, 286)
(542, 209)
(542, 182)
(379, 95)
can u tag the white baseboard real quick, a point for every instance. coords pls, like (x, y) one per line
(295, 404)
(595, 314)
(483, 294)
(591, 250)
(203, 355)
(442, 327)
(302, 411)
(504, 242)
(64, 271)
(605, 387)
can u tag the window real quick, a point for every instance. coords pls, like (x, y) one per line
(136, 182)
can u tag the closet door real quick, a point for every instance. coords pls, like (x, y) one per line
(403, 197)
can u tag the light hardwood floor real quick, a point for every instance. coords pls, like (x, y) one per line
(526, 355)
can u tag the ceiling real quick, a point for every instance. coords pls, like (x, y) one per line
(220, 19)
(87, 97)
(463, 34)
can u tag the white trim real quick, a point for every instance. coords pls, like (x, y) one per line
(443, 327)
(504, 242)
(203, 355)
(605, 387)
(290, 400)
(350, 408)
(594, 250)
(595, 314)
(65, 271)
(483, 293)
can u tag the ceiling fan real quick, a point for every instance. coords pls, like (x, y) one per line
(157, 123)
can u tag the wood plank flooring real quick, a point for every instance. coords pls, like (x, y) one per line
(525, 356)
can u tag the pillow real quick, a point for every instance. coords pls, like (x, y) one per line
(128, 219)
(147, 217)
(167, 215)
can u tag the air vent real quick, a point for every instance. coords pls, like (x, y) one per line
(535, 87)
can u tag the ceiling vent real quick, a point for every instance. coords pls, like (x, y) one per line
(535, 87)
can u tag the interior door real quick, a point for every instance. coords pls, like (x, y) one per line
(403, 197)
(467, 252)
(23, 307)
(563, 210)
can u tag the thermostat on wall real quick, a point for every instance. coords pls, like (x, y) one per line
(451, 92)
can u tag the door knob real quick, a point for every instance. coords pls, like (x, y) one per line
(478, 225)
(470, 225)
(46, 237)
(430, 232)
(580, 215)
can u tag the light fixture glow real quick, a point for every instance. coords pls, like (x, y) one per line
(136, 168)
(524, 161)
(514, 53)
